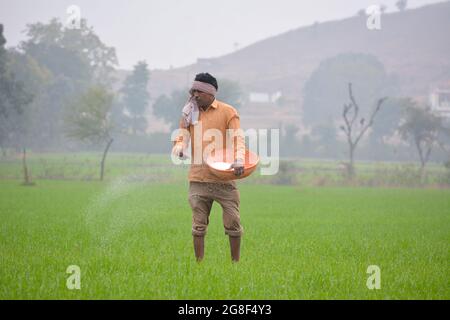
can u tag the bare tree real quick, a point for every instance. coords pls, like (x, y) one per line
(350, 115)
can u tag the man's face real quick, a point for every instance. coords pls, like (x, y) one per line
(203, 99)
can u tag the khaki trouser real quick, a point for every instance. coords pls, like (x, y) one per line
(201, 197)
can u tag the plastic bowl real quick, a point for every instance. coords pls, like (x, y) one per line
(217, 164)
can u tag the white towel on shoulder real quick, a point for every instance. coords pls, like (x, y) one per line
(190, 113)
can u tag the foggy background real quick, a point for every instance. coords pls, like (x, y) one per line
(176, 33)
(118, 82)
(93, 204)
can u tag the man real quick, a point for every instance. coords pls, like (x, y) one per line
(202, 115)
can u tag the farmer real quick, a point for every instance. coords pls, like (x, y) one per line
(203, 114)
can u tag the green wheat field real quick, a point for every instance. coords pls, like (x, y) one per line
(131, 236)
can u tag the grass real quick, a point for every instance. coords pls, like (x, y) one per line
(132, 240)
(144, 167)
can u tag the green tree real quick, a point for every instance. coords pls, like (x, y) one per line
(389, 118)
(289, 142)
(13, 100)
(230, 92)
(136, 96)
(15, 128)
(35, 79)
(78, 54)
(326, 139)
(13, 95)
(169, 108)
(425, 129)
(89, 120)
(75, 59)
(326, 89)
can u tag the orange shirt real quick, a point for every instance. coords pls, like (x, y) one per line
(215, 121)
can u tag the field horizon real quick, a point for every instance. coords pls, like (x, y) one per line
(132, 239)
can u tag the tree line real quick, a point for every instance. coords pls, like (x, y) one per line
(61, 84)
(59, 90)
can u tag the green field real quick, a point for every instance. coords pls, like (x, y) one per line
(131, 238)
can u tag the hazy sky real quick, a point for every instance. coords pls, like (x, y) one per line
(175, 33)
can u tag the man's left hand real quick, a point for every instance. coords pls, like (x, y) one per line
(238, 167)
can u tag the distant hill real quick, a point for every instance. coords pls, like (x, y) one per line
(413, 44)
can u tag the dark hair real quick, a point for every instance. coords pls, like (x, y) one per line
(207, 78)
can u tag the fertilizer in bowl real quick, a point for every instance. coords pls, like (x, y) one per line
(221, 165)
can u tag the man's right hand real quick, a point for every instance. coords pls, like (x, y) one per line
(238, 166)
